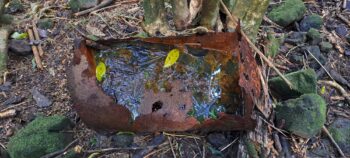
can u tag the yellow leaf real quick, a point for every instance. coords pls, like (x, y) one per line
(171, 58)
(100, 71)
(323, 90)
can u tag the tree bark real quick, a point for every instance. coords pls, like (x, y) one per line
(210, 13)
(4, 33)
(250, 12)
(154, 17)
(181, 14)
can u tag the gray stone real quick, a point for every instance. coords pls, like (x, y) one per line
(14, 6)
(45, 23)
(20, 47)
(340, 131)
(77, 5)
(316, 53)
(296, 38)
(122, 140)
(304, 116)
(312, 21)
(288, 12)
(40, 137)
(41, 100)
(12, 100)
(304, 81)
(326, 46)
(341, 31)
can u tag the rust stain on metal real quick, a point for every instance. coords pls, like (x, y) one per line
(164, 111)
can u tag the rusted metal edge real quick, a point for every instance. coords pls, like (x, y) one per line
(100, 112)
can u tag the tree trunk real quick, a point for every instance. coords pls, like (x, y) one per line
(154, 17)
(4, 33)
(250, 12)
(210, 13)
(181, 14)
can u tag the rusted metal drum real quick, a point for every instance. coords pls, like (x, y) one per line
(166, 110)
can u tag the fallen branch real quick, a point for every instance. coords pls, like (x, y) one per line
(35, 50)
(344, 19)
(325, 130)
(115, 149)
(338, 87)
(57, 153)
(99, 6)
(8, 113)
(37, 37)
(269, 63)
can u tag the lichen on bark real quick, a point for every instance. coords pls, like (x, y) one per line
(210, 13)
(154, 17)
(181, 13)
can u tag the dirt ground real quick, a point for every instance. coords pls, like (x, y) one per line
(121, 21)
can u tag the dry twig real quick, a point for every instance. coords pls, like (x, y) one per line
(325, 130)
(269, 63)
(35, 50)
(344, 19)
(338, 87)
(57, 153)
(37, 37)
(8, 113)
(99, 6)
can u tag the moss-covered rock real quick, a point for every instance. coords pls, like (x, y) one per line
(303, 116)
(288, 12)
(340, 131)
(312, 21)
(45, 23)
(314, 36)
(326, 46)
(273, 45)
(304, 81)
(40, 137)
(77, 5)
(14, 6)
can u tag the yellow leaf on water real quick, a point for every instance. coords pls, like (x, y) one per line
(171, 58)
(100, 71)
(323, 90)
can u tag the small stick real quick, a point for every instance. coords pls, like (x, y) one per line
(337, 86)
(344, 19)
(325, 130)
(344, 4)
(269, 63)
(35, 50)
(99, 6)
(37, 37)
(8, 113)
(59, 152)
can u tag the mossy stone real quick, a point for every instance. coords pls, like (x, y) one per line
(77, 5)
(303, 81)
(340, 131)
(326, 46)
(312, 21)
(314, 36)
(273, 45)
(304, 116)
(45, 23)
(40, 137)
(14, 6)
(288, 12)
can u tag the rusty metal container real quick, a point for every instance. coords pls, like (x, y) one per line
(168, 110)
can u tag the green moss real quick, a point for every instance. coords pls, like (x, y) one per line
(313, 34)
(326, 46)
(304, 81)
(312, 21)
(74, 5)
(288, 12)
(304, 116)
(340, 131)
(273, 45)
(251, 148)
(40, 137)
